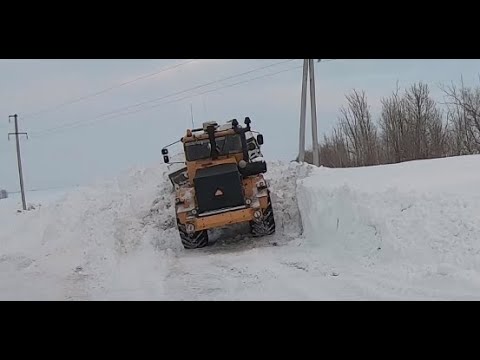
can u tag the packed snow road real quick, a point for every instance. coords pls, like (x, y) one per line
(400, 232)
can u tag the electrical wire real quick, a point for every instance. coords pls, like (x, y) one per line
(196, 87)
(117, 113)
(74, 101)
(209, 91)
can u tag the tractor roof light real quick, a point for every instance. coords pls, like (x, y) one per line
(247, 123)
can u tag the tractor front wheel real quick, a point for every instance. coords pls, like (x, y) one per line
(266, 226)
(197, 240)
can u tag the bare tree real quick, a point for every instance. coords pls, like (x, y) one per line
(359, 131)
(461, 139)
(393, 126)
(464, 114)
(333, 151)
(340, 148)
(424, 122)
(412, 126)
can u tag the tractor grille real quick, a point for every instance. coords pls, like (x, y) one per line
(218, 187)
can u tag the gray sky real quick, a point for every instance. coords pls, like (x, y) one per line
(81, 154)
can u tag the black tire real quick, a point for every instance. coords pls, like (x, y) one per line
(267, 225)
(195, 241)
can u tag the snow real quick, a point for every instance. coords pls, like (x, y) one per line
(408, 231)
(33, 197)
(414, 222)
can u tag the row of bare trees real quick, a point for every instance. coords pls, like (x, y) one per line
(411, 126)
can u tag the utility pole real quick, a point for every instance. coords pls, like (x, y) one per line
(308, 68)
(303, 108)
(313, 105)
(19, 159)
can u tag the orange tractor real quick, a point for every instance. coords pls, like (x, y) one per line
(221, 183)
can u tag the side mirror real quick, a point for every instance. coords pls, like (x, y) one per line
(260, 139)
(166, 159)
(164, 151)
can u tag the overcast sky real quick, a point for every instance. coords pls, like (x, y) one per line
(97, 147)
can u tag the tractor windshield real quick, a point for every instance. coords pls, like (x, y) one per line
(226, 145)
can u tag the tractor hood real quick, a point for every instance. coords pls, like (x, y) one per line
(218, 187)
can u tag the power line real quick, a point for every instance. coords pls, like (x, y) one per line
(206, 92)
(168, 102)
(196, 87)
(235, 84)
(118, 113)
(70, 102)
(80, 124)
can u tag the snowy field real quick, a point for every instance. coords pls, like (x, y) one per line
(409, 231)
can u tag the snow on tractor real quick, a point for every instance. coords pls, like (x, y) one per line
(221, 182)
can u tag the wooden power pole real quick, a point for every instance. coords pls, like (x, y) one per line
(19, 159)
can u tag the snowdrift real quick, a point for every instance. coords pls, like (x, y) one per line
(102, 239)
(415, 220)
(405, 231)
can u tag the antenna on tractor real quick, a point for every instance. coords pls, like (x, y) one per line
(191, 113)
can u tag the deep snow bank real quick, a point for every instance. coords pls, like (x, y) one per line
(406, 231)
(75, 245)
(113, 239)
(420, 216)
